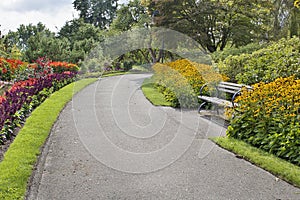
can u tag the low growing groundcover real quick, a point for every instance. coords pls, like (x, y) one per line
(19, 160)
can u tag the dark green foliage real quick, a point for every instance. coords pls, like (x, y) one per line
(97, 12)
(279, 59)
(53, 48)
(235, 51)
(214, 23)
(82, 38)
(129, 16)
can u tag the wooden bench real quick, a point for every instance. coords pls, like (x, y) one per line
(220, 99)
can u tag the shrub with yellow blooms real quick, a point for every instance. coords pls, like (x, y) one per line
(268, 117)
(181, 80)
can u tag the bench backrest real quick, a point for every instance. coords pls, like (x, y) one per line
(229, 87)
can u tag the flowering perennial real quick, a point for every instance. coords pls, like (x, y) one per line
(24, 86)
(180, 81)
(27, 95)
(268, 117)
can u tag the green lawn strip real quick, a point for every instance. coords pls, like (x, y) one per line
(115, 74)
(101, 74)
(152, 94)
(18, 162)
(279, 167)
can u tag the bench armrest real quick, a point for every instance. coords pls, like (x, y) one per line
(238, 93)
(234, 96)
(201, 89)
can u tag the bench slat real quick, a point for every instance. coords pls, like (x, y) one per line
(226, 90)
(232, 84)
(227, 87)
(216, 100)
(235, 85)
(230, 87)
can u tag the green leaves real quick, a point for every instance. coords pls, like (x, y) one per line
(97, 12)
(268, 118)
(212, 23)
(279, 59)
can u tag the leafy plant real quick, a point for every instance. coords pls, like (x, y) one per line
(219, 56)
(23, 96)
(180, 81)
(280, 59)
(268, 117)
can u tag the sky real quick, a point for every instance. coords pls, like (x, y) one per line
(53, 13)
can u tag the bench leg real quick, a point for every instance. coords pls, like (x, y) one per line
(217, 107)
(202, 104)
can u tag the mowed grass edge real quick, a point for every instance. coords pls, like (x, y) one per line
(19, 160)
(276, 166)
(152, 94)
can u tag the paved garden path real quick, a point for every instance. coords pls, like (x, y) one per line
(111, 143)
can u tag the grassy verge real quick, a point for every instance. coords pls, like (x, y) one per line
(18, 162)
(101, 74)
(114, 74)
(152, 94)
(269, 162)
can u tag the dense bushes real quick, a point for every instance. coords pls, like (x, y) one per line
(181, 80)
(218, 56)
(268, 117)
(280, 59)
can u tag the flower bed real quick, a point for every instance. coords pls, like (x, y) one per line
(180, 81)
(269, 118)
(30, 86)
(59, 67)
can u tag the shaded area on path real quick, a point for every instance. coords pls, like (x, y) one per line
(111, 143)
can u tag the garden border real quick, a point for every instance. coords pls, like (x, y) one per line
(18, 163)
(269, 162)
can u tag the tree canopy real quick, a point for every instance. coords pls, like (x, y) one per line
(214, 24)
(97, 12)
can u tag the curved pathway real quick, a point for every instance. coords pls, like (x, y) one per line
(111, 143)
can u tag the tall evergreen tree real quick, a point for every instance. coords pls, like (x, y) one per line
(97, 12)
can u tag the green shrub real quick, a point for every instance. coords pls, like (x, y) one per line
(280, 59)
(180, 81)
(268, 117)
(236, 51)
(233, 65)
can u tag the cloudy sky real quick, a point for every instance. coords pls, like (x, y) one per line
(52, 13)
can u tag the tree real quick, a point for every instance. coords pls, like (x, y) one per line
(53, 48)
(3, 52)
(97, 12)
(295, 22)
(213, 23)
(18, 44)
(129, 16)
(82, 37)
(24, 32)
(286, 19)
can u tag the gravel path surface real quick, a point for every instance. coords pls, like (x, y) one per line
(111, 143)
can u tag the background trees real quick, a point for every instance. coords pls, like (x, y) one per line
(215, 25)
(129, 16)
(97, 12)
